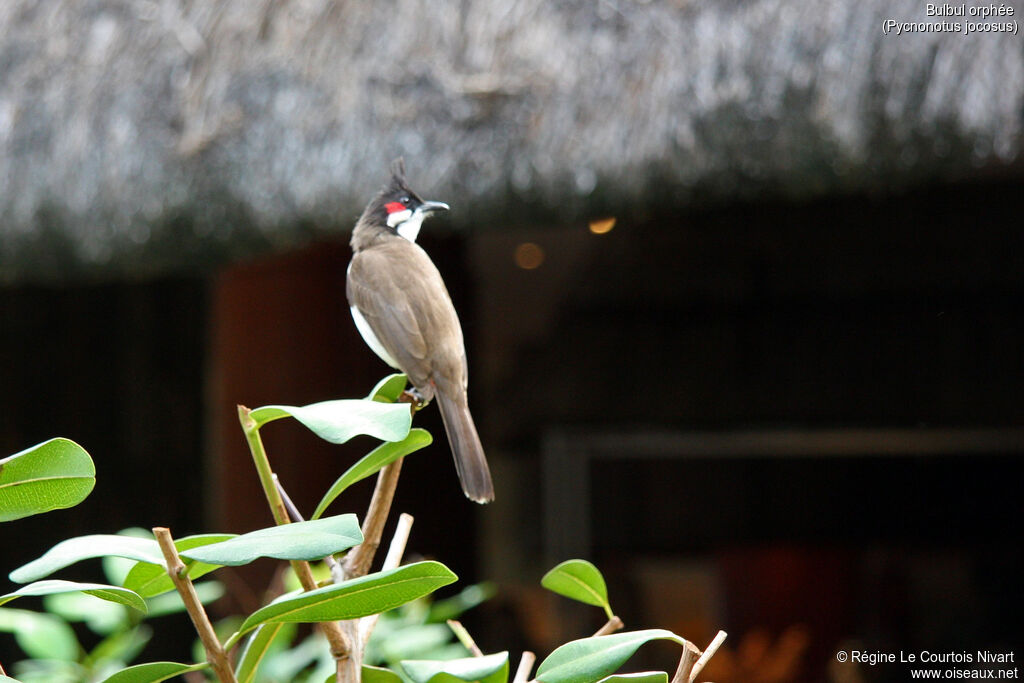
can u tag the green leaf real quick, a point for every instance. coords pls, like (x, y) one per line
(149, 580)
(54, 474)
(116, 568)
(338, 421)
(119, 648)
(310, 540)
(153, 672)
(376, 674)
(121, 596)
(256, 649)
(81, 548)
(440, 611)
(372, 462)
(8, 679)
(394, 642)
(100, 616)
(579, 580)
(41, 636)
(389, 389)
(591, 659)
(641, 677)
(487, 669)
(370, 594)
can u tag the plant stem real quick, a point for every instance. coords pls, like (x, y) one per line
(709, 652)
(358, 561)
(463, 635)
(259, 458)
(525, 667)
(611, 626)
(683, 671)
(341, 648)
(396, 550)
(337, 574)
(215, 653)
(289, 506)
(391, 561)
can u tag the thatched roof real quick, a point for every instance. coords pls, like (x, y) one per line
(148, 136)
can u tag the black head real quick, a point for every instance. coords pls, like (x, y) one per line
(398, 208)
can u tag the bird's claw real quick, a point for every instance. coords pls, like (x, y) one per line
(413, 397)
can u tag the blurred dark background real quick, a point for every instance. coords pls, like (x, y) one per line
(744, 305)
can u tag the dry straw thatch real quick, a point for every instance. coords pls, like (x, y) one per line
(145, 136)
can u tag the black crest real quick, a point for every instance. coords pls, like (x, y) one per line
(396, 189)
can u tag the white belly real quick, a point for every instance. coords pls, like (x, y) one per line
(371, 339)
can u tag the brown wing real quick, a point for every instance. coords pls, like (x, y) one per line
(400, 292)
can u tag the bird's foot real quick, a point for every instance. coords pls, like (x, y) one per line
(414, 398)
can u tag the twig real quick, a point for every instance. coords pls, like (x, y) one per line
(398, 542)
(358, 561)
(215, 653)
(686, 660)
(293, 511)
(337, 573)
(611, 626)
(709, 652)
(525, 667)
(463, 635)
(340, 645)
(391, 561)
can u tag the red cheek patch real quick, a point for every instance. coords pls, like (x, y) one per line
(394, 207)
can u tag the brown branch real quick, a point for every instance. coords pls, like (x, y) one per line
(396, 550)
(709, 652)
(686, 660)
(358, 561)
(611, 626)
(392, 561)
(215, 653)
(525, 667)
(463, 635)
(337, 574)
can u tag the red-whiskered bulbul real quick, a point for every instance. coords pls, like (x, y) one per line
(403, 312)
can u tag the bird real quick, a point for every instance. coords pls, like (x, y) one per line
(404, 313)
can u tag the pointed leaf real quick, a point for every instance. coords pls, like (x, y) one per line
(149, 580)
(640, 677)
(372, 462)
(110, 593)
(487, 669)
(81, 548)
(310, 540)
(256, 649)
(389, 389)
(54, 474)
(370, 594)
(338, 421)
(579, 580)
(591, 659)
(153, 672)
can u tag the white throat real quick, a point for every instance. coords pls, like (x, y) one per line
(407, 223)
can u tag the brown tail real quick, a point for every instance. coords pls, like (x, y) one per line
(470, 462)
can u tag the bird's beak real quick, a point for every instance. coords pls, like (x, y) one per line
(428, 208)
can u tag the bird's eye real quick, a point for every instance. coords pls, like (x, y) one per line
(404, 200)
